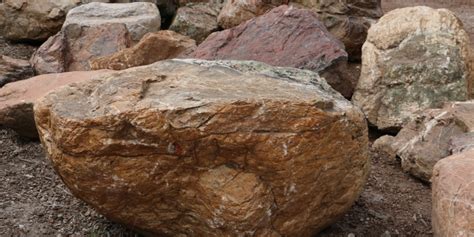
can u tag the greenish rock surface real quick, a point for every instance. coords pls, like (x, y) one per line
(408, 67)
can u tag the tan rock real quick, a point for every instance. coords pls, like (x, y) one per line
(226, 148)
(17, 98)
(428, 138)
(408, 66)
(138, 17)
(235, 12)
(453, 196)
(34, 19)
(152, 48)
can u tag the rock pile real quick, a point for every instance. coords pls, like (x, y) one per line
(265, 147)
(221, 147)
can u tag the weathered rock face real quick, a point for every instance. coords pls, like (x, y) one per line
(453, 196)
(236, 12)
(152, 48)
(75, 46)
(34, 19)
(14, 70)
(139, 17)
(223, 148)
(348, 20)
(408, 67)
(462, 142)
(429, 137)
(285, 36)
(17, 98)
(196, 20)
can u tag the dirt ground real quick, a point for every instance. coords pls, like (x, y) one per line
(34, 202)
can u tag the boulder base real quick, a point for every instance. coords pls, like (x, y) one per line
(222, 148)
(453, 196)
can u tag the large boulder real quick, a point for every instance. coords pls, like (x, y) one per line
(75, 46)
(197, 20)
(153, 47)
(139, 17)
(453, 196)
(408, 67)
(285, 36)
(348, 20)
(34, 19)
(208, 148)
(432, 136)
(17, 98)
(235, 12)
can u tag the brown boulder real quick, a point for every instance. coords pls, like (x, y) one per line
(153, 47)
(208, 148)
(34, 19)
(453, 196)
(75, 46)
(196, 20)
(285, 36)
(17, 98)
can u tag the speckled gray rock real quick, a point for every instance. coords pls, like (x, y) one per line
(219, 148)
(196, 20)
(139, 17)
(412, 63)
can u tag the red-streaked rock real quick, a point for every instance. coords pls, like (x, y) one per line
(153, 47)
(223, 148)
(453, 196)
(285, 36)
(17, 98)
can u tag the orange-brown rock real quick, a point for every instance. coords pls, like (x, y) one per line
(236, 12)
(153, 47)
(206, 148)
(17, 98)
(453, 196)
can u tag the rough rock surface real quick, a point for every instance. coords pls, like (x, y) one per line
(223, 148)
(14, 70)
(75, 46)
(17, 98)
(453, 196)
(236, 12)
(348, 20)
(428, 138)
(34, 19)
(139, 17)
(153, 47)
(285, 36)
(196, 20)
(460, 143)
(410, 64)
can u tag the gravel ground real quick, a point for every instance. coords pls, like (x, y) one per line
(34, 202)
